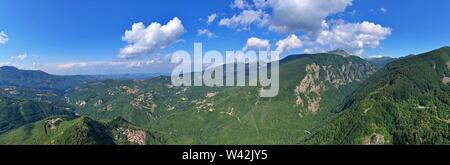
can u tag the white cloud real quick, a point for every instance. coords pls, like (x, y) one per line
(260, 4)
(205, 32)
(284, 16)
(104, 64)
(303, 15)
(211, 18)
(309, 17)
(22, 56)
(245, 19)
(239, 4)
(140, 64)
(257, 43)
(155, 37)
(8, 63)
(352, 37)
(376, 56)
(71, 65)
(36, 65)
(3, 38)
(290, 42)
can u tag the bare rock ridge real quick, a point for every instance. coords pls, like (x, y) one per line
(308, 91)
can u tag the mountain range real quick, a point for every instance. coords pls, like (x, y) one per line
(326, 98)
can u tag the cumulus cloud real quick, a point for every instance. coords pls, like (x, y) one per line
(3, 38)
(142, 40)
(211, 18)
(239, 4)
(204, 32)
(303, 15)
(284, 16)
(290, 42)
(257, 43)
(310, 18)
(352, 37)
(245, 19)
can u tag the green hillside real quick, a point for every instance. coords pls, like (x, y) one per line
(381, 62)
(323, 99)
(407, 102)
(310, 87)
(62, 130)
(18, 112)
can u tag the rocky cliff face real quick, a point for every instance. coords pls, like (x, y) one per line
(320, 78)
(406, 102)
(446, 79)
(309, 89)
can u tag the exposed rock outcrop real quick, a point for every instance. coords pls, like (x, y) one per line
(134, 136)
(310, 88)
(446, 80)
(308, 91)
(374, 139)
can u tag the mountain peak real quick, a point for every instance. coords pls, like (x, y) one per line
(340, 52)
(8, 68)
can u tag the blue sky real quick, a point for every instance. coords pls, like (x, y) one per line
(87, 36)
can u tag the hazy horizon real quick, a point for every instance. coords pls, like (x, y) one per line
(104, 37)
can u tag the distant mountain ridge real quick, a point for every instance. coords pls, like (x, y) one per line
(340, 52)
(39, 80)
(35, 79)
(381, 61)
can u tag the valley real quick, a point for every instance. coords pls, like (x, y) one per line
(325, 98)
